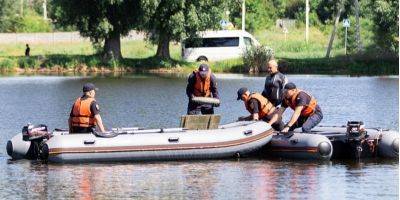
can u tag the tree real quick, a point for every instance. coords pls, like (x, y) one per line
(260, 14)
(358, 34)
(173, 20)
(327, 10)
(385, 15)
(339, 12)
(8, 15)
(101, 20)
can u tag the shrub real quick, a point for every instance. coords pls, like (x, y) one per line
(7, 64)
(31, 23)
(28, 62)
(254, 58)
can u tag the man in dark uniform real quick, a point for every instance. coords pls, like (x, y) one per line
(260, 108)
(307, 113)
(201, 83)
(85, 113)
(274, 83)
(27, 50)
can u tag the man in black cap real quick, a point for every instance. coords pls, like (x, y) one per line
(201, 83)
(85, 113)
(307, 113)
(259, 108)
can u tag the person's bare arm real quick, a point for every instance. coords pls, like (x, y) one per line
(294, 118)
(250, 117)
(274, 118)
(255, 116)
(99, 123)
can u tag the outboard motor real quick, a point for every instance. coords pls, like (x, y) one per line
(36, 134)
(359, 141)
(355, 130)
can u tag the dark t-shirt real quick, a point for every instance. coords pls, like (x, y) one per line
(301, 100)
(94, 107)
(27, 51)
(254, 106)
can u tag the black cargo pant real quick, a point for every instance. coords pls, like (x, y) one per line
(197, 109)
(307, 123)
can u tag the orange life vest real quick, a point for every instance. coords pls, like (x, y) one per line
(202, 86)
(81, 115)
(266, 107)
(307, 109)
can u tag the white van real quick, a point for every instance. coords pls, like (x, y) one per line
(217, 45)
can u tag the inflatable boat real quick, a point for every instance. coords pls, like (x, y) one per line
(134, 144)
(299, 146)
(324, 142)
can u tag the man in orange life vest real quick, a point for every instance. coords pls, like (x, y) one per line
(307, 113)
(260, 108)
(85, 113)
(201, 83)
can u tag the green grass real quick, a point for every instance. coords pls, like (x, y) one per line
(295, 46)
(139, 56)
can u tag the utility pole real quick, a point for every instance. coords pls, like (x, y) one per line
(45, 9)
(345, 42)
(346, 25)
(307, 19)
(243, 14)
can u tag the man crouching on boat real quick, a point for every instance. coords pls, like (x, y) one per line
(260, 108)
(85, 113)
(307, 113)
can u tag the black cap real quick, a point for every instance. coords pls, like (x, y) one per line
(290, 86)
(203, 69)
(89, 87)
(240, 92)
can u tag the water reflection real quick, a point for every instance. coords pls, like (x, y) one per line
(227, 179)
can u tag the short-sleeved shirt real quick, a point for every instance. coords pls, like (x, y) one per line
(94, 107)
(254, 106)
(302, 99)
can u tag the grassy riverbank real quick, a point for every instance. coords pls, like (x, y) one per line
(302, 58)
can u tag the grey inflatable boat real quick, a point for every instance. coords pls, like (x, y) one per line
(133, 144)
(325, 142)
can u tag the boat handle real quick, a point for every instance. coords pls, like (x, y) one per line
(173, 139)
(294, 141)
(89, 141)
(248, 132)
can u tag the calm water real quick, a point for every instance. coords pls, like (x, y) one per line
(154, 101)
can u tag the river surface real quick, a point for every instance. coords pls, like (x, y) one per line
(158, 101)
